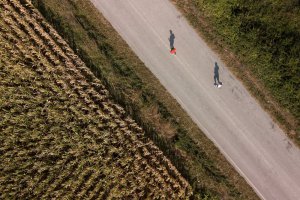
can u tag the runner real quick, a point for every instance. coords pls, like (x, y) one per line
(217, 83)
(172, 40)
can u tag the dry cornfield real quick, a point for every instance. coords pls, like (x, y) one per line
(61, 136)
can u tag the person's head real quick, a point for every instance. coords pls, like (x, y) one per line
(171, 32)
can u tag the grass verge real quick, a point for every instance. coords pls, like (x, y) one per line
(134, 87)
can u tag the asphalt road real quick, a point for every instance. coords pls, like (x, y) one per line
(229, 116)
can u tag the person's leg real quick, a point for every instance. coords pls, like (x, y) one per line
(215, 79)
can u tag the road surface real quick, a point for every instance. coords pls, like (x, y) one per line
(229, 116)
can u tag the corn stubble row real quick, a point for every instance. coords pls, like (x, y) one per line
(61, 136)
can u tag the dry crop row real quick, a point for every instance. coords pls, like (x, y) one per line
(62, 137)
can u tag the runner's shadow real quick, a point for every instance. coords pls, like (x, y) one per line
(216, 75)
(171, 39)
